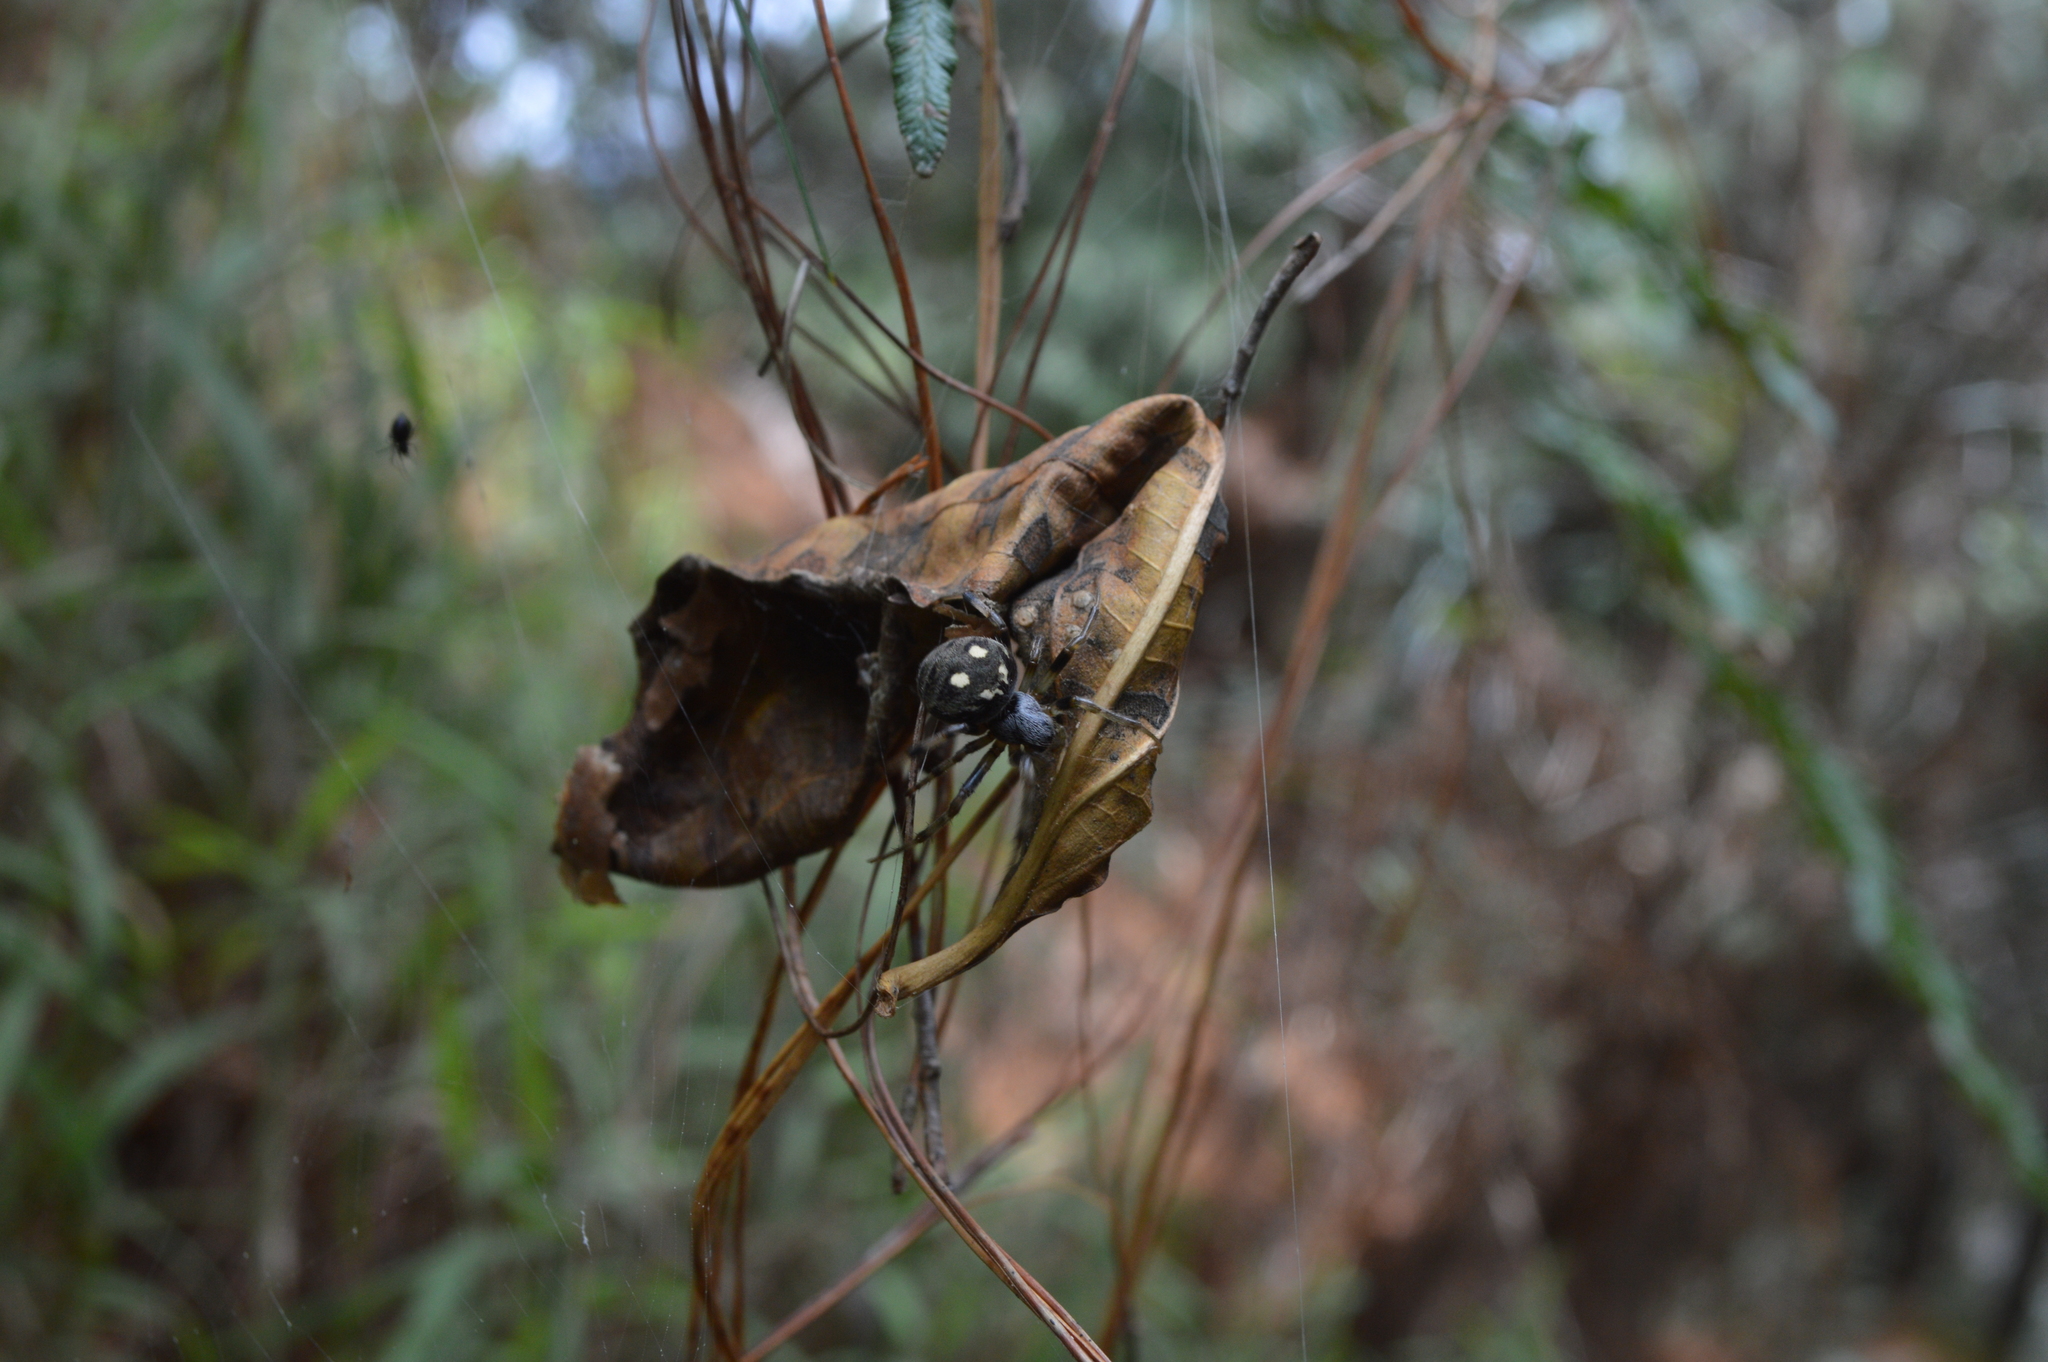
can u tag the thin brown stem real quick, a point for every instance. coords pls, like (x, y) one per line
(668, 173)
(1248, 349)
(1332, 565)
(810, 80)
(1077, 209)
(934, 454)
(885, 1249)
(748, 259)
(1420, 31)
(988, 246)
(915, 356)
(1383, 221)
(929, 1072)
(880, 1107)
(727, 1154)
(1322, 189)
(1065, 1329)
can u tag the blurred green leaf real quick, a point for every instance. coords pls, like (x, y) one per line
(188, 665)
(20, 1008)
(921, 62)
(341, 783)
(442, 1281)
(1705, 561)
(190, 844)
(89, 862)
(33, 869)
(1789, 386)
(455, 1078)
(1845, 821)
(158, 1062)
(1841, 814)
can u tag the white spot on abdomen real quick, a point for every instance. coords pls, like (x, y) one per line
(958, 679)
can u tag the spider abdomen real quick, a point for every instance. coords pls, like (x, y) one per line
(969, 680)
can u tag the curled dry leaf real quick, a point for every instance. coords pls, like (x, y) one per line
(1139, 582)
(773, 694)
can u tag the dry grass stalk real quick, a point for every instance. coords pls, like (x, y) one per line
(927, 417)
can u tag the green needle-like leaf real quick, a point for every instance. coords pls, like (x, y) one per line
(921, 61)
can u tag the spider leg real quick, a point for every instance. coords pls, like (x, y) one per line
(922, 749)
(988, 609)
(1066, 654)
(1083, 702)
(952, 809)
(963, 754)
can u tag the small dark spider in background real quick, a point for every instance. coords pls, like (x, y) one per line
(400, 438)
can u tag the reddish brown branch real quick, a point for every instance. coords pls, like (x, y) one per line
(1387, 146)
(927, 416)
(916, 357)
(1450, 64)
(1070, 221)
(749, 262)
(988, 246)
(1334, 556)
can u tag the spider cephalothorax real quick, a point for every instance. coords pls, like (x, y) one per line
(972, 681)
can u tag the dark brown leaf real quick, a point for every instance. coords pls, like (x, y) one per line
(772, 694)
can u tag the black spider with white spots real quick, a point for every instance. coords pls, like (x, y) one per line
(972, 681)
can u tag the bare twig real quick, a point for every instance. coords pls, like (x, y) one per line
(906, 1233)
(1308, 198)
(929, 1072)
(1241, 367)
(913, 1226)
(799, 249)
(1486, 47)
(1451, 65)
(881, 1108)
(810, 81)
(1065, 1329)
(900, 474)
(668, 173)
(796, 297)
(747, 259)
(1383, 221)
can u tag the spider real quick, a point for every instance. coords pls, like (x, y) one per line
(400, 441)
(973, 684)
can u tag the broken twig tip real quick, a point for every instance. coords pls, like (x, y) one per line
(1297, 260)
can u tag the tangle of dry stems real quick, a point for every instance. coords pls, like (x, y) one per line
(1457, 140)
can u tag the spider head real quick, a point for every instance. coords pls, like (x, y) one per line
(1025, 723)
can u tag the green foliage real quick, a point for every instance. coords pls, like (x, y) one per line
(1720, 606)
(1724, 612)
(921, 62)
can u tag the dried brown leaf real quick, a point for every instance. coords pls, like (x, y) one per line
(772, 694)
(1140, 582)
